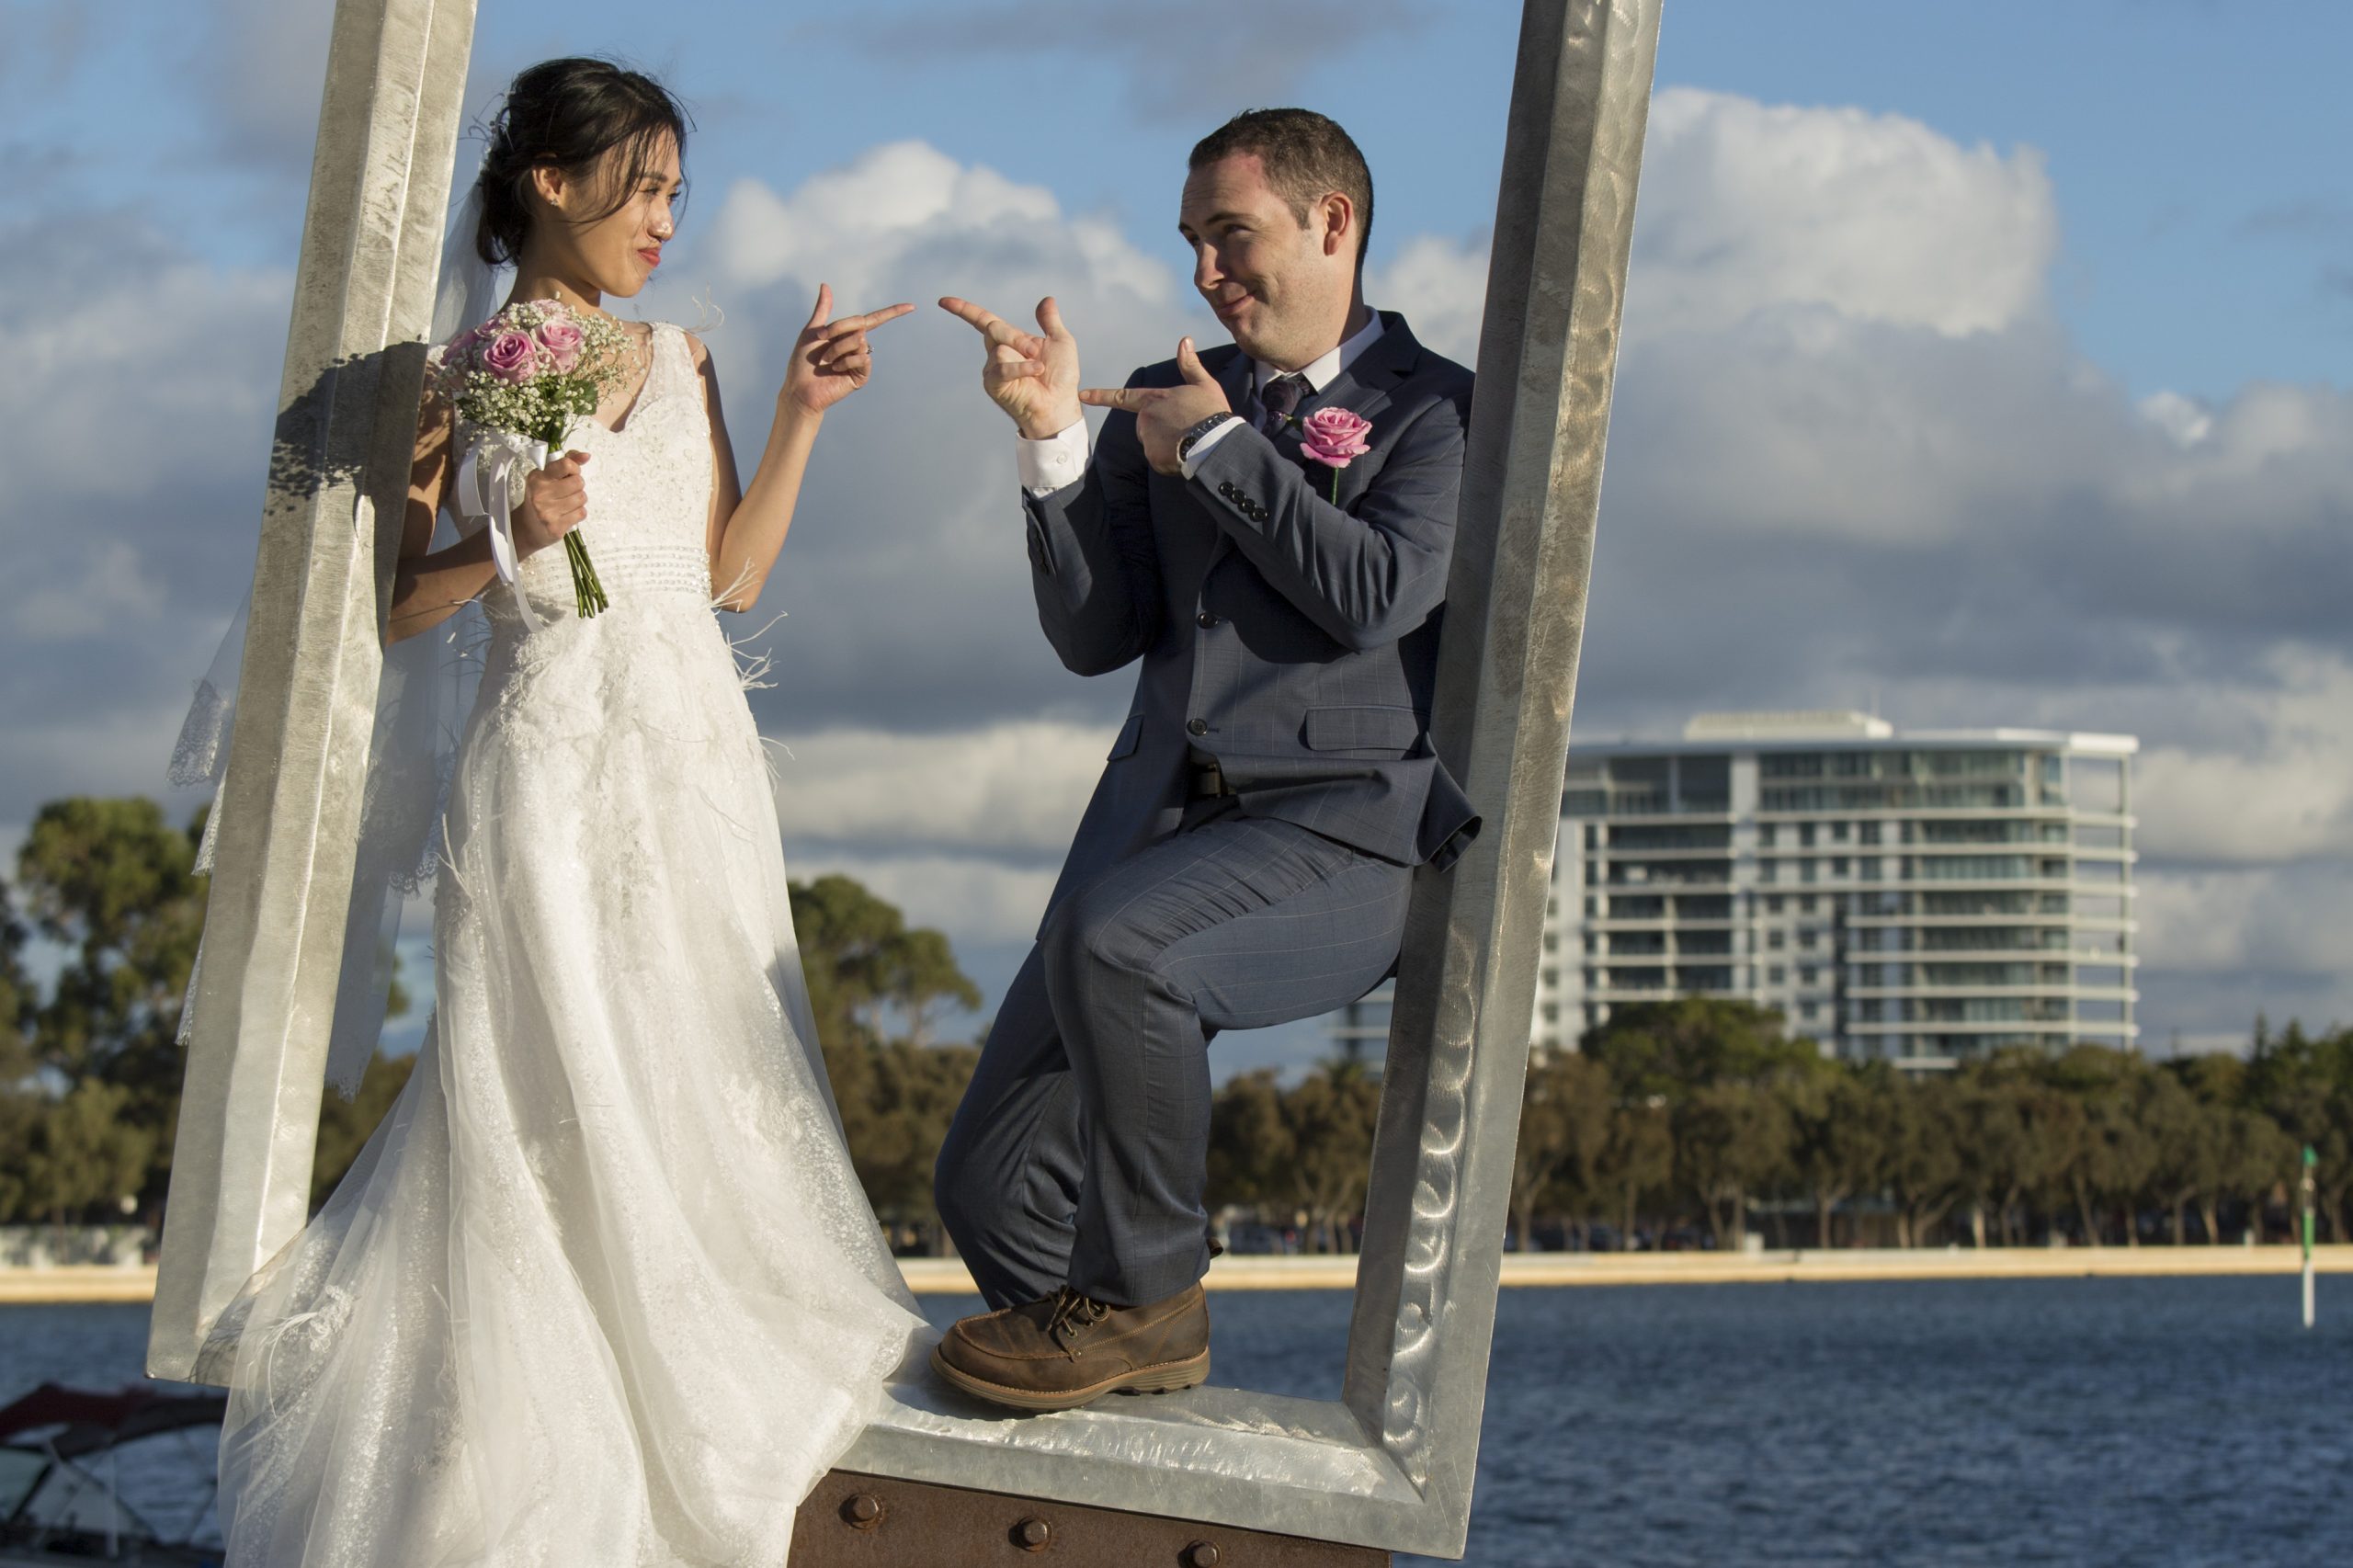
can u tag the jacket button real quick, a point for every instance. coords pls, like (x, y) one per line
(1197, 726)
(1205, 619)
(1226, 488)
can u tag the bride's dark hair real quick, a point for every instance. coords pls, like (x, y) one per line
(568, 114)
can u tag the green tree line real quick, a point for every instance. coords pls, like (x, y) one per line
(1703, 1117)
(90, 1070)
(1676, 1121)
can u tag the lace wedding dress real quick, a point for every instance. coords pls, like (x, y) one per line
(603, 1290)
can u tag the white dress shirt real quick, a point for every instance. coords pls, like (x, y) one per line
(1061, 458)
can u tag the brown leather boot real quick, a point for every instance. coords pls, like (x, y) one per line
(1068, 1349)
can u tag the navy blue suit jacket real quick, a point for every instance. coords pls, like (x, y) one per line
(1292, 637)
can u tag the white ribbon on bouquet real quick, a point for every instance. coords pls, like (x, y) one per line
(484, 492)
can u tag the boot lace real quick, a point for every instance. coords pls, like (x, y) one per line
(1073, 1315)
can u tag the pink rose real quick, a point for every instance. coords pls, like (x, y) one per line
(561, 340)
(511, 356)
(1334, 436)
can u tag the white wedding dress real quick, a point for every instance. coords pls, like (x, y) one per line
(603, 1290)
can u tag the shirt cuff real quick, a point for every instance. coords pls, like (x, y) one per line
(1058, 461)
(1224, 429)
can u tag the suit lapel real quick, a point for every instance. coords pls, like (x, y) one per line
(1234, 376)
(1365, 387)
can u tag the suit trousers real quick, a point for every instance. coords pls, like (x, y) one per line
(1079, 1154)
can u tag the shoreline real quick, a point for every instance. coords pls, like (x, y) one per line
(102, 1284)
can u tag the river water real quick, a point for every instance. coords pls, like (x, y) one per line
(2141, 1422)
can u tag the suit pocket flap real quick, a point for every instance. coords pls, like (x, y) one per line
(1363, 728)
(1130, 733)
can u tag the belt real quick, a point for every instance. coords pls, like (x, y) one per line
(1208, 780)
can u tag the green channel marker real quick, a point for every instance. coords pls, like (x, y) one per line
(2310, 1185)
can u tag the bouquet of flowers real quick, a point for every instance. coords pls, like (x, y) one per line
(521, 379)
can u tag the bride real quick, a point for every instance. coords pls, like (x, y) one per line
(603, 1288)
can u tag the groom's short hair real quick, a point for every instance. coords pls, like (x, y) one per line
(1306, 156)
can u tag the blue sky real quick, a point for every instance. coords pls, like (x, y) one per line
(2196, 148)
(1989, 358)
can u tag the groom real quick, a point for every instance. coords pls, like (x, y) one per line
(1267, 528)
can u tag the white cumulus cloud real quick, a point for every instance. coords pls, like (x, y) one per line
(1748, 206)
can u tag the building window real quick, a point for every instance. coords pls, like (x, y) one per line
(1551, 979)
(1773, 903)
(1870, 833)
(1838, 869)
(1551, 1012)
(1806, 941)
(1765, 836)
(1767, 871)
(1805, 836)
(1838, 832)
(1806, 973)
(1775, 975)
(1805, 905)
(1551, 941)
(1807, 1010)
(1805, 870)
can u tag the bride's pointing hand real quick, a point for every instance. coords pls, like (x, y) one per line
(832, 359)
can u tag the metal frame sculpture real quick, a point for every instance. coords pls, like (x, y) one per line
(1388, 1465)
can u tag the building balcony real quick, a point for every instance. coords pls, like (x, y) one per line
(1853, 883)
(2078, 993)
(1623, 854)
(1652, 813)
(2090, 956)
(1664, 992)
(2124, 923)
(2061, 1027)
(1957, 813)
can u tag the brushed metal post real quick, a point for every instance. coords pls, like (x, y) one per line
(330, 534)
(1508, 664)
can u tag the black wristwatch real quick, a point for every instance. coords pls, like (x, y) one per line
(1186, 442)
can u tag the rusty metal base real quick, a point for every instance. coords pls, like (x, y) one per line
(873, 1521)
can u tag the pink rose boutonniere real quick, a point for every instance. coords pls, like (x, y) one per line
(1335, 438)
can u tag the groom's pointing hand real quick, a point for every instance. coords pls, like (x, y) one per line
(1164, 413)
(1032, 376)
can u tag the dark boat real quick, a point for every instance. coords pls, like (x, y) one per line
(70, 1458)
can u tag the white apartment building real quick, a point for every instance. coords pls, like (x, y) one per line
(1919, 896)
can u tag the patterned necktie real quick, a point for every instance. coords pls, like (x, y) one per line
(1279, 399)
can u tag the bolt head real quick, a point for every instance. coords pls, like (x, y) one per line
(1033, 1534)
(863, 1511)
(1200, 1554)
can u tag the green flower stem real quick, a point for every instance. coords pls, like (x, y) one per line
(587, 593)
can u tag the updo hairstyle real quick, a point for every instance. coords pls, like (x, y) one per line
(568, 114)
